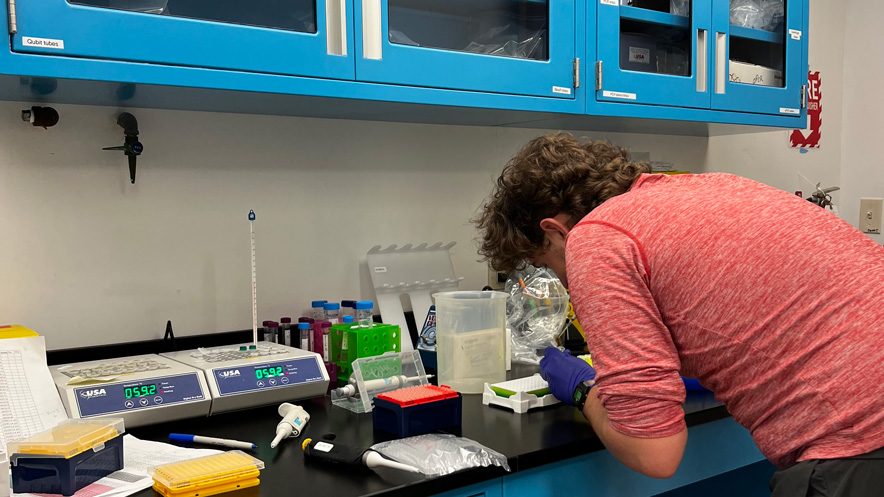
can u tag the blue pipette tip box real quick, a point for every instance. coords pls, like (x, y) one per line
(417, 410)
(67, 458)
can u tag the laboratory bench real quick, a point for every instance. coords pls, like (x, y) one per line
(545, 449)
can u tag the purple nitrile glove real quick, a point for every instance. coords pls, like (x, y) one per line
(564, 372)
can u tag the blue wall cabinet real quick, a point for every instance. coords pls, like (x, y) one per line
(297, 37)
(760, 65)
(519, 47)
(654, 52)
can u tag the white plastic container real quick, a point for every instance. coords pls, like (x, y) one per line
(470, 339)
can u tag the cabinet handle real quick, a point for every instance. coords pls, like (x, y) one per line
(371, 29)
(720, 62)
(336, 26)
(702, 60)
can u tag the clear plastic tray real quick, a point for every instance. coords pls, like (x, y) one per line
(69, 438)
(209, 471)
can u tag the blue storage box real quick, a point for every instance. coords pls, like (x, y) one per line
(430, 408)
(68, 457)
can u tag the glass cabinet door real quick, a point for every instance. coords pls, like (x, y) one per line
(758, 56)
(523, 47)
(294, 37)
(654, 51)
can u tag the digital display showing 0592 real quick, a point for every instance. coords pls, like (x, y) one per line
(142, 391)
(268, 372)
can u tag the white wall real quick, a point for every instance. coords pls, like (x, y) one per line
(862, 173)
(87, 258)
(766, 157)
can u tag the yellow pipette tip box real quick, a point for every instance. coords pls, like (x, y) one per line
(69, 438)
(209, 475)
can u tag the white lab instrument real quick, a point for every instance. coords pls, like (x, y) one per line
(243, 376)
(520, 394)
(294, 419)
(144, 389)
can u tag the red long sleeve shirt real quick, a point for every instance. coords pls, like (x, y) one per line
(770, 301)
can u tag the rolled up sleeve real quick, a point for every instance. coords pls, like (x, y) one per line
(633, 352)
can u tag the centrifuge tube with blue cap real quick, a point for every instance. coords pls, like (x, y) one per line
(364, 313)
(332, 312)
(304, 335)
(318, 307)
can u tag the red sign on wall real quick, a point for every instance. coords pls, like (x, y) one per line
(810, 138)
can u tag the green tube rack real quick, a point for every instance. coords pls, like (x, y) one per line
(361, 342)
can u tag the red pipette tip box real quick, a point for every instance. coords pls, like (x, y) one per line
(422, 394)
(416, 410)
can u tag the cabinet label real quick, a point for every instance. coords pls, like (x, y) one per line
(618, 94)
(562, 90)
(639, 55)
(610, 2)
(793, 112)
(380, 269)
(795, 34)
(42, 43)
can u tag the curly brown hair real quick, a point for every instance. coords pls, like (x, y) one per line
(552, 174)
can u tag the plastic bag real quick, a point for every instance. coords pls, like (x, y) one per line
(774, 14)
(680, 7)
(440, 454)
(508, 35)
(535, 312)
(747, 14)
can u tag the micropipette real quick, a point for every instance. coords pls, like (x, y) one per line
(294, 418)
(399, 381)
(254, 281)
(343, 454)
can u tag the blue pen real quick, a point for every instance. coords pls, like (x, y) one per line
(223, 442)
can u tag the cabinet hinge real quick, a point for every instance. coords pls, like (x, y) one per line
(577, 73)
(13, 25)
(803, 96)
(598, 75)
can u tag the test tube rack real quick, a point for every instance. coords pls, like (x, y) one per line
(361, 342)
(417, 272)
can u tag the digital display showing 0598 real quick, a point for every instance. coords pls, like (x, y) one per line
(268, 372)
(142, 391)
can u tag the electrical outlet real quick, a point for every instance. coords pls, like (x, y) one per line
(870, 214)
(496, 279)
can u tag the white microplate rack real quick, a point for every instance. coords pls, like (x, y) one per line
(521, 401)
(417, 271)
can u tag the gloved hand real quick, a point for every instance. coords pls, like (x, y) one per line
(564, 372)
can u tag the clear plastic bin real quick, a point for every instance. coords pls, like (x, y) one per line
(207, 475)
(379, 374)
(470, 339)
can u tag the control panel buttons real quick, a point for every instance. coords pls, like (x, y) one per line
(129, 404)
(158, 400)
(143, 401)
